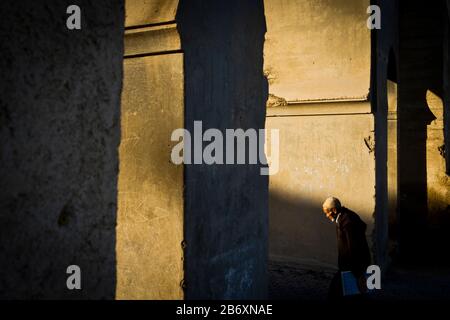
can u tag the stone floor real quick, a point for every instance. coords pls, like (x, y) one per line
(291, 281)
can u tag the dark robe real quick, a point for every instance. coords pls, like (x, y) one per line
(353, 250)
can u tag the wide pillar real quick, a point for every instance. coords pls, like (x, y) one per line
(225, 206)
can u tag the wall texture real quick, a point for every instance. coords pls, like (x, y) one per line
(319, 156)
(319, 84)
(59, 133)
(226, 211)
(317, 49)
(150, 195)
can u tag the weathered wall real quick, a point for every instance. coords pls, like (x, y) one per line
(59, 124)
(226, 211)
(320, 155)
(317, 49)
(150, 195)
(319, 85)
(438, 182)
(147, 12)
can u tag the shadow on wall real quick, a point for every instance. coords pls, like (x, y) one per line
(300, 232)
(336, 161)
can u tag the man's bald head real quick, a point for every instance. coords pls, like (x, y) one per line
(332, 203)
(331, 207)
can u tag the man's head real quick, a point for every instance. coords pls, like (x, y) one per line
(331, 207)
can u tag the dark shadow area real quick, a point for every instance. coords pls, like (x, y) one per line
(420, 69)
(291, 281)
(392, 66)
(299, 231)
(296, 281)
(299, 224)
(59, 133)
(300, 239)
(393, 220)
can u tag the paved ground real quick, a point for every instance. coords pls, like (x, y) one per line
(290, 281)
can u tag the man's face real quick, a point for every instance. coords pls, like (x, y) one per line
(330, 213)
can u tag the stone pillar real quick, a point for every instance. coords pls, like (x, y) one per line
(60, 130)
(225, 206)
(385, 50)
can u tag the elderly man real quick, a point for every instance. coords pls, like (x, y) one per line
(353, 251)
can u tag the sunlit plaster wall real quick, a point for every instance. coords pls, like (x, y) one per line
(150, 195)
(438, 182)
(317, 60)
(317, 49)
